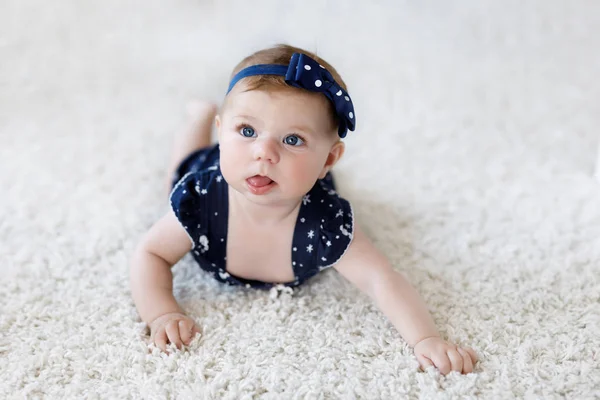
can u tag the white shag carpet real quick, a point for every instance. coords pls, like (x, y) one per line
(471, 168)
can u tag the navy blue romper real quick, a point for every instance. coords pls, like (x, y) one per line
(200, 201)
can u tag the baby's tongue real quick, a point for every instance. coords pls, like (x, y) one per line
(259, 181)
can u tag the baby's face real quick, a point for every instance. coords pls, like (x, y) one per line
(284, 136)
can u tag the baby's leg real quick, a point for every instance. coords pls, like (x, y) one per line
(196, 135)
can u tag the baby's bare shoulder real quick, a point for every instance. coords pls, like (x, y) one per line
(363, 262)
(167, 239)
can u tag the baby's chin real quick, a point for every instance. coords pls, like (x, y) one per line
(278, 195)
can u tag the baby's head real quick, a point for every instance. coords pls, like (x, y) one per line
(280, 125)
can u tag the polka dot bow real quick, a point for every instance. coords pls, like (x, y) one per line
(305, 72)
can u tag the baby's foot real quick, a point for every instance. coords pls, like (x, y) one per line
(196, 135)
(201, 109)
(198, 132)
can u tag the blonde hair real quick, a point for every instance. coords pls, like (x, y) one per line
(281, 54)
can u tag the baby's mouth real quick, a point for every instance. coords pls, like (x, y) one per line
(260, 185)
(259, 181)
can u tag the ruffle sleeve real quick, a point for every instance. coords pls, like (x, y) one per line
(336, 228)
(187, 203)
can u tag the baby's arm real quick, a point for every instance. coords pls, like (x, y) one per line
(152, 282)
(372, 273)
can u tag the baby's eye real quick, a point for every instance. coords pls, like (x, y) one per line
(293, 140)
(247, 131)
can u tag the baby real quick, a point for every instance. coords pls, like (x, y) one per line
(260, 208)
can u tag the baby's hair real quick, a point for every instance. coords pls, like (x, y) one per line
(281, 54)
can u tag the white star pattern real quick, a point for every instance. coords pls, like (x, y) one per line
(309, 248)
(219, 178)
(306, 199)
(203, 241)
(345, 232)
(311, 234)
(323, 258)
(302, 220)
(328, 243)
(224, 275)
(203, 191)
(340, 213)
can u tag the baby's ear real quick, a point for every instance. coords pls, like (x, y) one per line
(335, 153)
(218, 125)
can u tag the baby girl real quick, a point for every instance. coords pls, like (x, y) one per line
(260, 208)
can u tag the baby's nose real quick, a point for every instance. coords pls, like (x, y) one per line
(266, 150)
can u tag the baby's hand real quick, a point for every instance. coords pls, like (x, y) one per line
(446, 357)
(175, 328)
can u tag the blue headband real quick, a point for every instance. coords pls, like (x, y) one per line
(306, 73)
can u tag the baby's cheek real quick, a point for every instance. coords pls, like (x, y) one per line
(227, 164)
(305, 176)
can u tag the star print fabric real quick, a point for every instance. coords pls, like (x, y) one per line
(199, 199)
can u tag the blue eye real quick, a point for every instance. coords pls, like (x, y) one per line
(247, 131)
(293, 140)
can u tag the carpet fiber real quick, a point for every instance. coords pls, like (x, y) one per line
(471, 169)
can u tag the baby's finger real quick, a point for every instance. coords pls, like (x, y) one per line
(196, 330)
(185, 330)
(160, 339)
(455, 359)
(472, 353)
(441, 361)
(467, 363)
(424, 362)
(172, 329)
